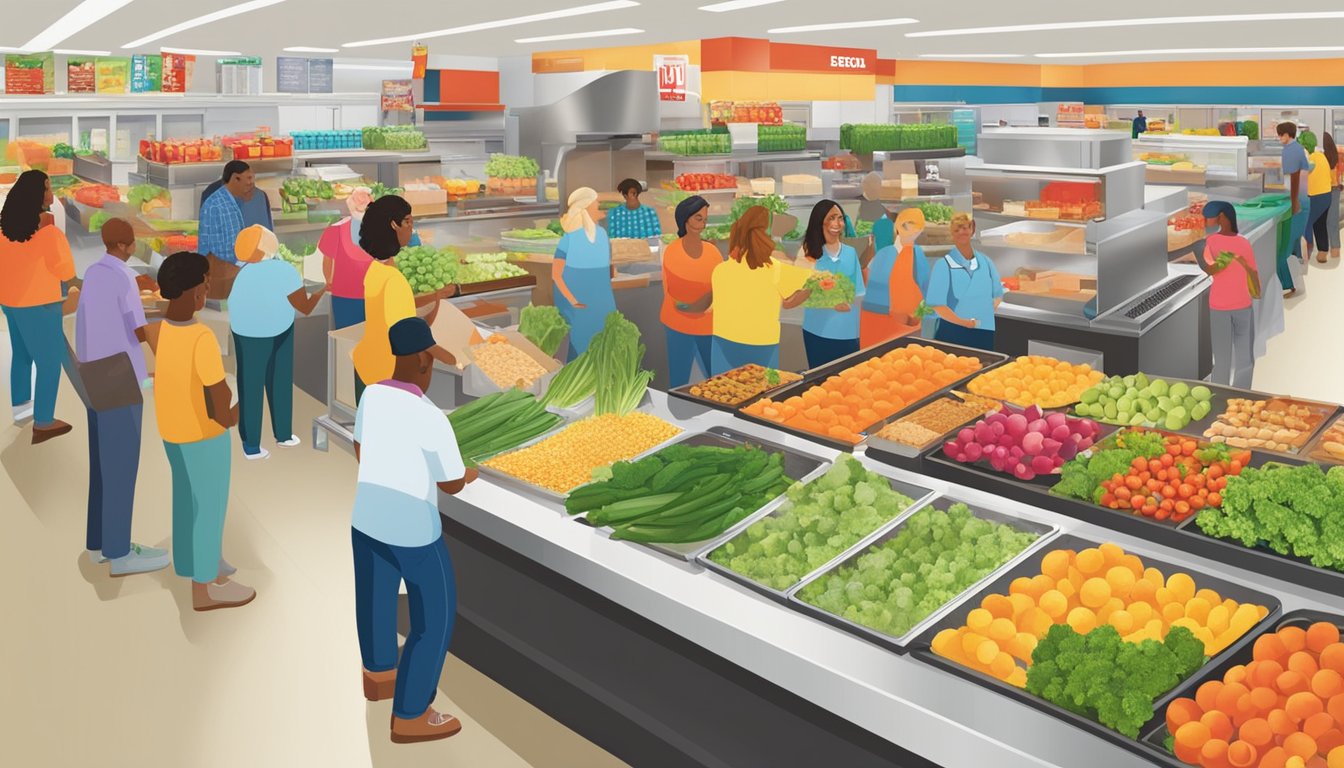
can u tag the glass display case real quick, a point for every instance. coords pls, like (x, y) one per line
(1181, 159)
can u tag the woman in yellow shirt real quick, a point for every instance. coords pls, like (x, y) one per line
(1320, 186)
(749, 290)
(386, 229)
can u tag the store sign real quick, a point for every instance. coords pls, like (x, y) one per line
(174, 73)
(419, 61)
(30, 73)
(291, 74)
(398, 96)
(672, 73)
(793, 57)
(320, 75)
(1070, 116)
(80, 76)
(146, 73)
(849, 62)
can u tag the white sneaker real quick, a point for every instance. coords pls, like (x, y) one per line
(226, 568)
(292, 442)
(258, 456)
(140, 560)
(23, 412)
(96, 556)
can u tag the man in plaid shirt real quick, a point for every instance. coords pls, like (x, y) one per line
(223, 215)
(632, 219)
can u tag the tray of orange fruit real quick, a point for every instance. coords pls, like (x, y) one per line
(1275, 702)
(1036, 380)
(836, 404)
(1087, 584)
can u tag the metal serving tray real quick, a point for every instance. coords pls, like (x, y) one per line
(813, 376)
(919, 497)
(1330, 412)
(1031, 566)
(904, 451)
(684, 393)
(559, 425)
(1155, 733)
(1044, 531)
(797, 464)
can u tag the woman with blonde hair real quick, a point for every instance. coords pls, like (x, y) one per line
(749, 290)
(582, 271)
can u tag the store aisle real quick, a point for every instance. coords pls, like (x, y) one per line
(121, 672)
(1307, 359)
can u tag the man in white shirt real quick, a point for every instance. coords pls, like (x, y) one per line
(407, 453)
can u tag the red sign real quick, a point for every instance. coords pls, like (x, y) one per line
(80, 76)
(174, 73)
(672, 71)
(791, 57)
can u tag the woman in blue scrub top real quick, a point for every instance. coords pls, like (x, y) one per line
(582, 271)
(965, 290)
(829, 334)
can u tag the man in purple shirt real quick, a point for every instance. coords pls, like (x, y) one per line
(111, 321)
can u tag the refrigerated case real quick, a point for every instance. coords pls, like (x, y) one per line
(1210, 159)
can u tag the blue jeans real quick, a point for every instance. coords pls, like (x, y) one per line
(682, 350)
(1297, 229)
(431, 592)
(114, 461)
(1316, 218)
(37, 338)
(975, 338)
(200, 500)
(346, 312)
(726, 355)
(265, 366)
(822, 350)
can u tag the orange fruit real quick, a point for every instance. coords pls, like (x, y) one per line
(1182, 586)
(1303, 705)
(1335, 706)
(1303, 663)
(1274, 758)
(1189, 740)
(1301, 745)
(1241, 754)
(1330, 741)
(1056, 564)
(999, 606)
(1281, 723)
(1265, 673)
(1333, 657)
(1294, 638)
(1090, 561)
(1214, 752)
(1326, 683)
(1264, 699)
(1095, 593)
(1055, 605)
(1181, 711)
(1321, 635)
(1082, 620)
(1291, 682)
(1318, 725)
(1218, 723)
(1207, 694)
(1256, 732)
(1336, 758)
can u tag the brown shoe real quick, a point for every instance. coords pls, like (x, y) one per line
(1320, 256)
(380, 685)
(427, 727)
(230, 594)
(56, 429)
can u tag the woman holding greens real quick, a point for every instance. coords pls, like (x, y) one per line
(829, 334)
(1230, 260)
(582, 271)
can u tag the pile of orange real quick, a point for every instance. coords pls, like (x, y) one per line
(844, 405)
(1101, 585)
(1285, 708)
(1036, 380)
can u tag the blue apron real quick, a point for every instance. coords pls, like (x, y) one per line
(587, 273)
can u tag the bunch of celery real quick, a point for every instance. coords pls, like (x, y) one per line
(609, 370)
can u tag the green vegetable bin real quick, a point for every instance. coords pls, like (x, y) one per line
(1045, 533)
(1031, 566)
(797, 465)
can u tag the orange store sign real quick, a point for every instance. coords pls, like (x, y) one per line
(790, 57)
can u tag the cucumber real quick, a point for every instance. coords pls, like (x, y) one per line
(631, 509)
(699, 514)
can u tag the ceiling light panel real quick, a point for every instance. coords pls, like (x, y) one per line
(737, 5)
(842, 25)
(970, 55)
(563, 13)
(74, 52)
(310, 49)
(199, 21)
(199, 52)
(1183, 51)
(1149, 22)
(580, 35)
(74, 21)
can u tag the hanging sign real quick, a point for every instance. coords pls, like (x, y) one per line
(419, 60)
(397, 96)
(672, 72)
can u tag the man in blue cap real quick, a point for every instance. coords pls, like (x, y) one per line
(407, 453)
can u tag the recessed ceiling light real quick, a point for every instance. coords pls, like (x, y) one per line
(563, 13)
(736, 5)
(208, 18)
(75, 20)
(199, 52)
(1167, 51)
(73, 52)
(842, 25)
(578, 35)
(310, 49)
(1161, 20)
(970, 55)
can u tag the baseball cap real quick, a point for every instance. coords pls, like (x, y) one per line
(410, 337)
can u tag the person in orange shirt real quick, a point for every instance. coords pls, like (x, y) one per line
(896, 278)
(35, 260)
(688, 266)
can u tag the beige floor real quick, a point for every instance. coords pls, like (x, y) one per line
(121, 672)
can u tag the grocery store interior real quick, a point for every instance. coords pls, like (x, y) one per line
(578, 384)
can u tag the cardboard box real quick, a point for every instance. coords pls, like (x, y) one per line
(477, 384)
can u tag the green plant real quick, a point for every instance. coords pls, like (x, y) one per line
(1295, 511)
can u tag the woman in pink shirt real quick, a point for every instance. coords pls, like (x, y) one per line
(344, 263)
(1229, 259)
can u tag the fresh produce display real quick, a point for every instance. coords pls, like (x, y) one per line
(97, 219)
(378, 190)
(863, 138)
(699, 182)
(863, 228)
(1277, 424)
(789, 137)
(531, 234)
(609, 371)
(175, 151)
(768, 112)
(566, 460)
(63, 150)
(295, 258)
(1036, 380)
(681, 494)
(1283, 708)
(394, 137)
(1296, 511)
(772, 203)
(149, 198)
(475, 271)
(933, 557)
(844, 405)
(1023, 444)
(256, 147)
(696, 143)
(936, 213)
(498, 422)
(1098, 675)
(304, 187)
(938, 418)
(818, 521)
(543, 326)
(1138, 401)
(1165, 477)
(501, 166)
(829, 290)
(742, 384)
(504, 364)
(1098, 586)
(97, 195)
(428, 269)
(1330, 445)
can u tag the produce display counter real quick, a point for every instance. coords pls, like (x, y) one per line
(388, 163)
(664, 662)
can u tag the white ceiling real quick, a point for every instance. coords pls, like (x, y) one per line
(332, 23)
